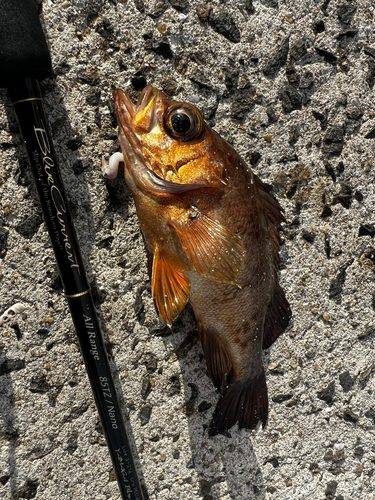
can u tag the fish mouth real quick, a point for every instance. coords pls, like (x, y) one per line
(148, 93)
(131, 119)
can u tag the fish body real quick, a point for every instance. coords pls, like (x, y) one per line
(211, 230)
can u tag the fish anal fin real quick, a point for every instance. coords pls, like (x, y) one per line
(170, 288)
(244, 402)
(214, 251)
(277, 318)
(217, 357)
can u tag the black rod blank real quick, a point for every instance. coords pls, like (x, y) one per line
(27, 102)
(24, 57)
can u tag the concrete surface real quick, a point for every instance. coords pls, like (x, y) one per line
(289, 81)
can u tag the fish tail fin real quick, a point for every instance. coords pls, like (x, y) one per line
(245, 402)
(277, 318)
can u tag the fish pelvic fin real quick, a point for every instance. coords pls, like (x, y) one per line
(214, 251)
(217, 357)
(277, 318)
(244, 402)
(170, 288)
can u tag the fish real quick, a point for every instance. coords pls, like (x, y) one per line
(212, 232)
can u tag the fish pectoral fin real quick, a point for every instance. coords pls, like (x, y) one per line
(213, 250)
(170, 288)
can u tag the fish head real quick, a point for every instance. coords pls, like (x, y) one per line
(168, 138)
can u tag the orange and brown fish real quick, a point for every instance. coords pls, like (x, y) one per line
(211, 229)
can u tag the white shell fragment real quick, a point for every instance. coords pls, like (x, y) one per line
(11, 312)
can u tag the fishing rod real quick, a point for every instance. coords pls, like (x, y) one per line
(25, 59)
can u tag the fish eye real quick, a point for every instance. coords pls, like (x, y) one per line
(183, 122)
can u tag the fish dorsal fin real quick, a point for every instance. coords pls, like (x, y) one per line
(213, 250)
(277, 318)
(170, 288)
(275, 217)
(279, 313)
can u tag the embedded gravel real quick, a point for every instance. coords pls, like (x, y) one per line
(290, 85)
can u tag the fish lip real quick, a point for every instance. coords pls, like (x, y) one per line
(125, 113)
(147, 94)
(121, 97)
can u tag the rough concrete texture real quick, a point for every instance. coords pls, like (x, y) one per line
(290, 85)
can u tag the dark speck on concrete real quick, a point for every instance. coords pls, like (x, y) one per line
(249, 7)
(346, 381)
(333, 140)
(204, 406)
(327, 55)
(326, 394)
(298, 49)
(223, 23)
(280, 398)
(340, 167)
(139, 82)
(149, 359)
(146, 386)
(90, 76)
(290, 98)
(370, 51)
(241, 105)
(370, 77)
(144, 414)
(169, 85)
(366, 230)
(203, 11)
(359, 452)
(330, 490)
(28, 489)
(10, 365)
(346, 11)
(370, 414)
(307, 236)
(370, 134)
(174, 386)
(337, 284)
(350, 416)
(319, 26)
(321, 117)
(329, 170)
(162, 48)
(159, 8)
(277, 60)
(139, 5)
(273, 4)
(179, 5)
(29, 226)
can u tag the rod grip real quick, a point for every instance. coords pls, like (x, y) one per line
(23, 47)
